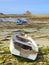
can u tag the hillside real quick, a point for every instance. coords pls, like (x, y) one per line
(27, 14)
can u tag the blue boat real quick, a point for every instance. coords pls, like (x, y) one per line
(20, 21)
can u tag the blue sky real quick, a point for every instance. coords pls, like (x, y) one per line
(20, 6)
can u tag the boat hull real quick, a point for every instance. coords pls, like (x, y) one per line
(22, 53)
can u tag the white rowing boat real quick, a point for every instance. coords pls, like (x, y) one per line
(24, 46)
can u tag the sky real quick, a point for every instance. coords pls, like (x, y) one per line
(21, 6)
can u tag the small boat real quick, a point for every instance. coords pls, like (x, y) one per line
(24, 46)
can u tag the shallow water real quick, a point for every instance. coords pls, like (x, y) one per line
(8, 19)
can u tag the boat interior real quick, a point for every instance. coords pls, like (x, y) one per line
(22, 46)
